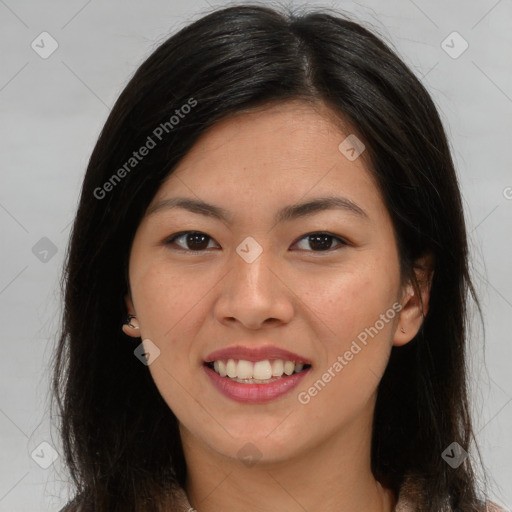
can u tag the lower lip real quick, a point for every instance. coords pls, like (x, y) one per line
(255, 393)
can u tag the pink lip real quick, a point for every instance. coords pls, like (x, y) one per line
(254, 393)
(255, 354)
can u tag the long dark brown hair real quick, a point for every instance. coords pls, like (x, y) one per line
(120, 439)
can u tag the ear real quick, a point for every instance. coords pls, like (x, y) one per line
(415, 301)
(131, 328)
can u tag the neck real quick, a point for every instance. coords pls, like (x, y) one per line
(334, 476)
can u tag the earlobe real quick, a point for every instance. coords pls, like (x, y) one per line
(415, 301)
(131, 326)
(410, 318)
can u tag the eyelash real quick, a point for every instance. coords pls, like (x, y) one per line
(171, 240)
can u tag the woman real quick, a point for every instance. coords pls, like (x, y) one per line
(266, 286)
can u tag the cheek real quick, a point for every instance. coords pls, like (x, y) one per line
(169, 304)
(351, 300)
(168, 300)
(356, 307)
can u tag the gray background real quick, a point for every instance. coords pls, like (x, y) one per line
(52, 110)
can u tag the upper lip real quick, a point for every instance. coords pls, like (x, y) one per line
(255, 354)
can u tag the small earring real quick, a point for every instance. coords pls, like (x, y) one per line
(402, 330)
(129, 323)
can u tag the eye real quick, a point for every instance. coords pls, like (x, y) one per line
(190, 240)
(197, 241)
(319, 242)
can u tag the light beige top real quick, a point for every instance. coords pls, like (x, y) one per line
(410, 499)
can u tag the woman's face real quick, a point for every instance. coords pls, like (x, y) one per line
(259, 286)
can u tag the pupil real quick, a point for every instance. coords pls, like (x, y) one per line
(320, 242)
(197, 241)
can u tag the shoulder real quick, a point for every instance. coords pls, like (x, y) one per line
(492, 507)
(413, 497)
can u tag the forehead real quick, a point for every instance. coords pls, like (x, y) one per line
(274, 154)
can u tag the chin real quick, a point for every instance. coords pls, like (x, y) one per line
(262, 443)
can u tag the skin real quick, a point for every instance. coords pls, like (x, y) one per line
(314, 456)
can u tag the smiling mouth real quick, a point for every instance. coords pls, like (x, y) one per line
(257, 372)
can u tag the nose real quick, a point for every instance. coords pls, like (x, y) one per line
(254, 294)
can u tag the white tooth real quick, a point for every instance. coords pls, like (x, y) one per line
(262, 370)
(277, 368)
(222, 369)
(231, 368)
(216, 366)
(298, 367)
(289, 366)
(244, 369)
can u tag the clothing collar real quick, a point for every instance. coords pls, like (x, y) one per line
(410, 498)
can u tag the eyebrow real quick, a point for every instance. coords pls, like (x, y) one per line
(285, 214)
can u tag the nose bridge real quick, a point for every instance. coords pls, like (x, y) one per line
(251, 271)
